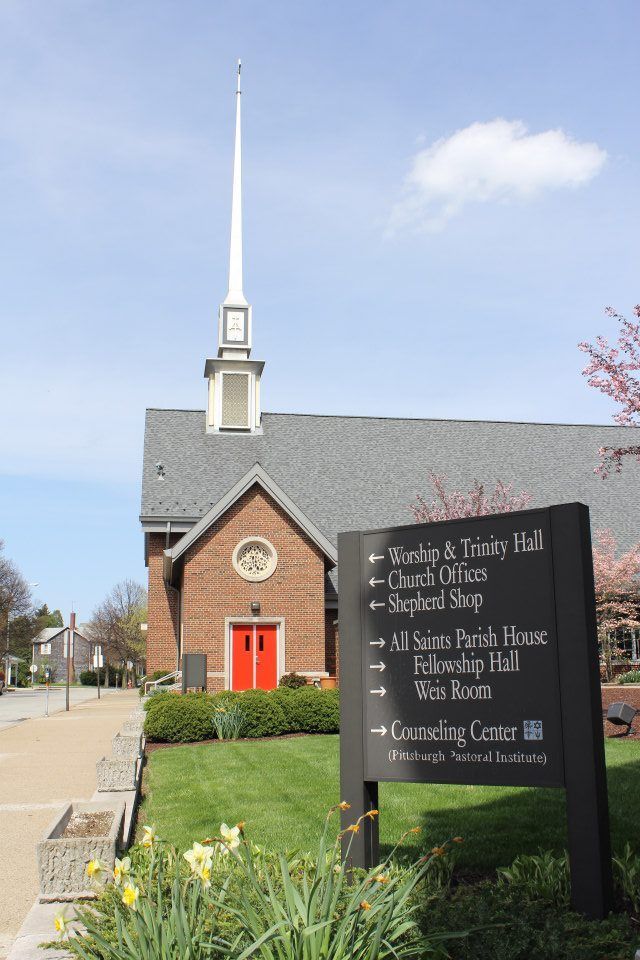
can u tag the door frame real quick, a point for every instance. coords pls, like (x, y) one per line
(277, 622)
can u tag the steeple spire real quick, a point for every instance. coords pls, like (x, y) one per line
(235, 294)
(234, 379)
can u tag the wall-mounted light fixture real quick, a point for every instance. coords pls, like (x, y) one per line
(255, 607)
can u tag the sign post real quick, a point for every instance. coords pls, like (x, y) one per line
(468, 654)
(98, 663)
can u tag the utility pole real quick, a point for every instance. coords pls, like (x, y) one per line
(72, 627)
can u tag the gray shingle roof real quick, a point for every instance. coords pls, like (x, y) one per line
(348, 473)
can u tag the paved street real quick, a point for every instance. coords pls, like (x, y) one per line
(19, 705)
(45, 762)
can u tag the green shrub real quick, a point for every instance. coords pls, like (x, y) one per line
(541, 877)
(263, 714)
(315, 711)
(626, 876)
(632, 676)
(89, 678)
(292, 680)
(283, 695)
(504, 925)
(175, 718)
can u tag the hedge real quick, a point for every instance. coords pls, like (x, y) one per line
(172, 718)
(177, 718)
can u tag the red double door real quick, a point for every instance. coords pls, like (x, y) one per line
(254, 656)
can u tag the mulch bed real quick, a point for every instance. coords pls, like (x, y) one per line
(151, 747)
(613, 693)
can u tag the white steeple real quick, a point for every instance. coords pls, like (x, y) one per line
(235, 295)
(234, 380)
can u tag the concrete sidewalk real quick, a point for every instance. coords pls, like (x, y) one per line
(44, 763)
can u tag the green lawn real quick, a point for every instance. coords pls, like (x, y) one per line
(283, 788)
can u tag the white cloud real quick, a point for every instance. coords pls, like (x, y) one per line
(495, 161)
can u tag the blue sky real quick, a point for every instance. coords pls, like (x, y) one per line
(406, 253)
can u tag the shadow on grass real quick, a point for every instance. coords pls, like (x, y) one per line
(496, 829)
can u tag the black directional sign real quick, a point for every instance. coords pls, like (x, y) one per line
(460, 654)
(469, 654)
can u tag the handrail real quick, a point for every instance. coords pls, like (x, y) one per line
(156, 683)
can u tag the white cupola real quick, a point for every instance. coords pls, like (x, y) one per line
(234, 380)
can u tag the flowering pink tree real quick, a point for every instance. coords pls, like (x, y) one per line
(617, 594)
(614, 371)
(477, 502)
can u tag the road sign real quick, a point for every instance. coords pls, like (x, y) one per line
(468, 654)
(33, 668)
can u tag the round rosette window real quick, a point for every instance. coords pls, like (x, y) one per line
(255, 559)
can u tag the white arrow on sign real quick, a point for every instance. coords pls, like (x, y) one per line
(377, 666)
(381, 691)
(381, 730)
(376, 643)
(377, 603)
(373, 581)
(373, 557)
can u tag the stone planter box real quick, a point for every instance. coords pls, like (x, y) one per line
(127, 745)
(132, 727)
(117, 773)
(62, 861)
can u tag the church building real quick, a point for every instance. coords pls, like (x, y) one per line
(241, 508)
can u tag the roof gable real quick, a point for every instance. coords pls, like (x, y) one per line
(257, 475)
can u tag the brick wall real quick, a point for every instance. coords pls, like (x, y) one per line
(212, 590)
(162, 616)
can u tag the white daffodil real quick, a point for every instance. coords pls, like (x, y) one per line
(95, 870)
(121, 870)
(204, 875)
(130, 896)
(149, 836)
(61, 924)
(230, 836)
(198, 857)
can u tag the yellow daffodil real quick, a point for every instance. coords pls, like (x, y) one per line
(149, 836)
(380, 878)
(61, 924)
(438, 851)
(353, 828)
(121, 869)
(198, 857)
(364, 905)
(344, 805)
(230, 836)
(371, 814)
(458, 840)
(130, 896)
(95, 869)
